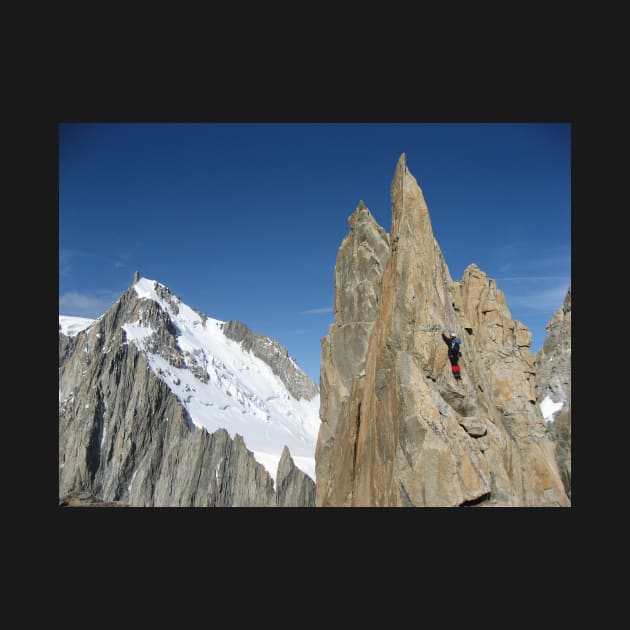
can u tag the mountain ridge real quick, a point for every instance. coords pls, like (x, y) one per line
(141, 371)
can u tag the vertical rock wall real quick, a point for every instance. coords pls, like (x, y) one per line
(397, 429)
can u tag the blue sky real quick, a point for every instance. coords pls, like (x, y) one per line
(243, 221)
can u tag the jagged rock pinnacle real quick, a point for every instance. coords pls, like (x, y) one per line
(291, 490)
(136, 277)
(405, 192)
(361, 214)
(553, 382)
(397, 430)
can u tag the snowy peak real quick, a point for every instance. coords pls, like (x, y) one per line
(162, 295)
(247, 384)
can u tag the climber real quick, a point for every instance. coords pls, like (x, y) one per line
(453, 353)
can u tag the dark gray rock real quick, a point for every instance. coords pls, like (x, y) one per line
(125, 437)
(293, 487)
(276, 356)
(65, 346)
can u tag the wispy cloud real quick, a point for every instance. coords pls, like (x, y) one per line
(520, 258)
(502, 279)
(87, 305)
(534, 281)
(317, 311)
(119, 265)
(554, 261)
(543, 294)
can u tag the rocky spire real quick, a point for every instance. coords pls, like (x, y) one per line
(553, 384)
(405, 190)
(293, 487)
(360, 215)
(360, 263)
(136, 277)
(396, 429)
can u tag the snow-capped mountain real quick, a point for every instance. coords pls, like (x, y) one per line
(223, 386)
(223, 376)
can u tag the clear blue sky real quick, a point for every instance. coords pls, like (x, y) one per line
(243, 221)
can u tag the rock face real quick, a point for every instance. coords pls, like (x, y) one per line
(65, 345)
(84, 499)
(553, 384)
(360, 264)
(397, 429)
(275, 355)
(124, 436)
(293, 487)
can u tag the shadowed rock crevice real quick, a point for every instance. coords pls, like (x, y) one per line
(475, 502)
(356, 430)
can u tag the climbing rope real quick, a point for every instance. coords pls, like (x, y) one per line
(436, 328)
